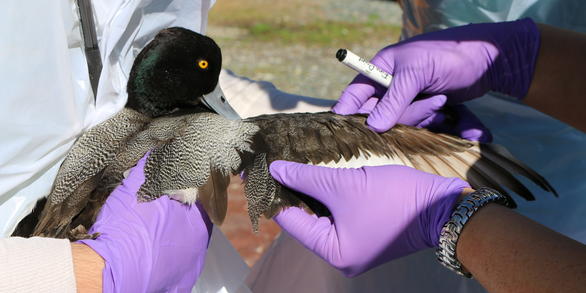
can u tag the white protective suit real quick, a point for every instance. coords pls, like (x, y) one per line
(46, 100)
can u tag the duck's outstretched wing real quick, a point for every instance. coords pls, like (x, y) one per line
(192, 157)
(345, 141)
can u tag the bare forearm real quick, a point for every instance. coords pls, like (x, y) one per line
(507, 252)
(88, 266)
(559, 87)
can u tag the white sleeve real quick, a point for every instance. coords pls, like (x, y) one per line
(252, 98)
(36, 265)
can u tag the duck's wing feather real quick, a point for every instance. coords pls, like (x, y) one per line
(345, 141)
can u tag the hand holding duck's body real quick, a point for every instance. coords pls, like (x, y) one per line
(169, 76)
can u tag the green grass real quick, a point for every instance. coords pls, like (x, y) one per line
(318, 33)
(287, 24)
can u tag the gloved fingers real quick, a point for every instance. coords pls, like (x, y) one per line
(394, 103)
(478, 133)
(167, 212)
(304, 178)
(421, 113)
(317, 234)
(124, 196)
(327, 185)
(199, 215)
(367, 107)
(466, 126)
(184, 232)
(356, 94)
(435, 118)
(470, 127)
(131, 184)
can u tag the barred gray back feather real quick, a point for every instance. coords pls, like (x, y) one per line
(207, 151)
(95, 150)
(260, 189)
(158, 132)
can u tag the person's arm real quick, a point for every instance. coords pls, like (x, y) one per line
(158, 245)
(507, 252)
(87, 266)
(462, 63)
(36, 265)
(153, 246)
(539, 64)
(386, 212)
(559, 85)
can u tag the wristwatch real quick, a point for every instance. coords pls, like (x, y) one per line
(446, 252)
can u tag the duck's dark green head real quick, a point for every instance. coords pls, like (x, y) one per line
(174, 70)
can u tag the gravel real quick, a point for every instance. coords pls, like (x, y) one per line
(386, 12)
(309, 70)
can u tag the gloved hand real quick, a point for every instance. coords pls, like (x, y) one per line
(378, 213)
(428, 113)
(156, 246)
(461, 62)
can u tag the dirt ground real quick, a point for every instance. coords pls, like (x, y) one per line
(293, 45)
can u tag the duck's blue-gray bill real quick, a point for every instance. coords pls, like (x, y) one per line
(218, 102)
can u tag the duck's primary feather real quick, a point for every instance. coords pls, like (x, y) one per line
(345, 141)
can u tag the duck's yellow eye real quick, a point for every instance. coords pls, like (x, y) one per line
(203, 64)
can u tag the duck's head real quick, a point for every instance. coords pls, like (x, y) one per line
(174, 70)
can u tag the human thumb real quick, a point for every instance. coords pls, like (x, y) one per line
(315, 181)
(309, 229)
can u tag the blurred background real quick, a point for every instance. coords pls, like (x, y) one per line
(292, 43)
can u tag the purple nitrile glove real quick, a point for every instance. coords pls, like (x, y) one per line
(466, 124)
(378, 213)
(461, 62)
(156, 246)
(427, 113)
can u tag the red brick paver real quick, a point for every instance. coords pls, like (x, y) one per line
(238, 229)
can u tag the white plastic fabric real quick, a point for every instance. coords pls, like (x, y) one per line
(46, 99)
(430, 15)
(224, 270)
